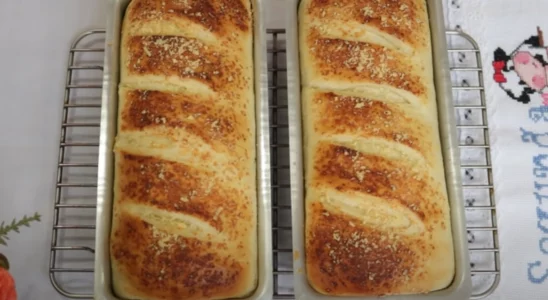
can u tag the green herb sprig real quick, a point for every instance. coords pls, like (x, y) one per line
(15, 226)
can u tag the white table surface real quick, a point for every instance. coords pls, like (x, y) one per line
(34, 38)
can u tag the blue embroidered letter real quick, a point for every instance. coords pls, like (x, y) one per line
(541, 169)
(538, 113)
(539, 186)
(540, 197)
(530, 275)
(541, 245)
(541, 139)
(541, 216)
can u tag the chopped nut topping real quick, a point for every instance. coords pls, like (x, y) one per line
(360, 175)
(367, 11)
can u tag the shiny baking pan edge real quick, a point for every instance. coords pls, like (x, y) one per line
(460, 288)
(103, 286)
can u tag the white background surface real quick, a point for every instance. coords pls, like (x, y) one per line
(34, 38)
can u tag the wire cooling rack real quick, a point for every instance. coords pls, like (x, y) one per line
(72, 243)
(72, 246)
(476, 165)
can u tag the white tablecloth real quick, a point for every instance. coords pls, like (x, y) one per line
(519, 133)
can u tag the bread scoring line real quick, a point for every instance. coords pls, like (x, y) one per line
(187, 226)
(328, 197)
(360, 33)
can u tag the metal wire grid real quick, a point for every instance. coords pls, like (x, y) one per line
(78, 265)
(476, 165)
(72, 242)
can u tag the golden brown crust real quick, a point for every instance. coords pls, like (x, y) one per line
(184, 209)
(338, 114)
(176, 268)
(176, 187)
(218, 16)
(347, 258)
(181, 57)
(363, 62)
(219, 126)
(377, 212)
(345, 170)
(398, 18)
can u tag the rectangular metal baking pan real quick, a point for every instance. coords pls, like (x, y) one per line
(460, 288)
(103, 287)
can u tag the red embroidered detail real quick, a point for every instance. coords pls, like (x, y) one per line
(498, 76)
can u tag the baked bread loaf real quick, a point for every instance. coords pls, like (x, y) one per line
(377, 212)
(184, 220)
